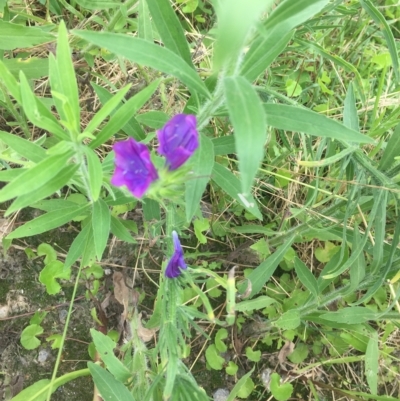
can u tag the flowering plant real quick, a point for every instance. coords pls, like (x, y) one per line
(133, 166)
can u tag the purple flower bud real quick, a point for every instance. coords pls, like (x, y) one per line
(133, 167)
(178, 139)
(176, 263)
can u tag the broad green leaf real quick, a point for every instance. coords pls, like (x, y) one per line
(306, 277)
(52, 271)
(213, 358)
(40, 174)
(29, 335)
(281, 392)
(13, 36)
(221, 335)
(26, 149)
(391, 151)
(254, 304)
(95, 173)
(99, 4)
(235, 21)
(231, 185)
(170, 28)
(48, 221)
(246, 388)
(261, 274)
(30, 393)
(299, 119)
(105, 347)
(203, 163)
(248, 120)
(101, 226)
(290, 320)
(33, 67)
(109, 388)
(242, 383)
(252, 355)
(48, 251)
(387, 33)
(145, 30)
(107, 109)
(199, 226)
(350, 315)
(56, 341)
(37, 112)
(372, 363)
(147, 54)
(49, 188)
(124, 114)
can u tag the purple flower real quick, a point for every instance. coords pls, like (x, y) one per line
(178, 139)
(133, 167)
(176, 262)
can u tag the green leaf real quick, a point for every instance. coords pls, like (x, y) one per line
(221, 335)
(109, 388)
(372, 363)
(30, 393)
(170, 29)
(391, 151)
(124, 114)
(48, 251)
(13, 36)
(101, 222)
(78, 245)
(298, 119)
(98, 4)
(52, 271)
(32, 67)
(201, 225)
(107, 109)
(387, 33)
(261, 274)
(153, 119)
(63, 82)
(10, 82)
(351, 315)
(120, 231)
(263, 51)
(281, 392)
(243, 382)
(235, 21)
(290, 320)
(246, 388)
(213, 358)
(41, 173)
(350, 116)
(231, 185)
(148, 54)
(105, 347)
(232, 368)
(56, 340)
(299, 354)
(49, 188)
(48, 221)
(258, 303)
(306, 277)
(28, 336)
(203, 163)
(252, 355)
(36, 111)
(95, 173)
(248, 120)
(24, 148)
(145, 30)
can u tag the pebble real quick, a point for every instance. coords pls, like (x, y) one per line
(221, 394)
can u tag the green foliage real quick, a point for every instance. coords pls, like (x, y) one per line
(281, 392)
(29, 335)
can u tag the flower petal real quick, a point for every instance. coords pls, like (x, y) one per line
(133, 167)
(179, 135)
(177, 261)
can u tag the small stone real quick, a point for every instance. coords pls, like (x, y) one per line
(221, 394)
(43, 355)
(62, 315)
